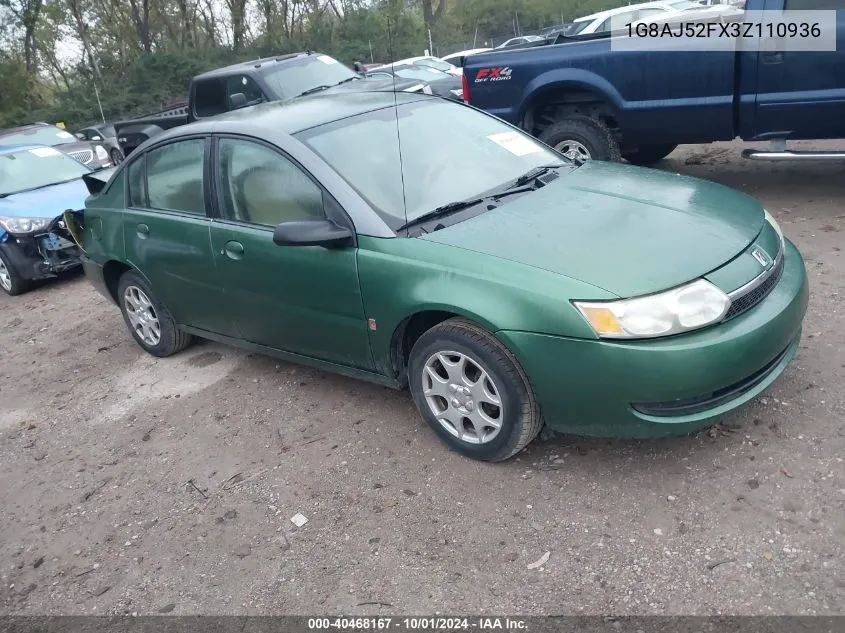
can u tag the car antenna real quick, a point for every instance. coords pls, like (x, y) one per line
(396, 114)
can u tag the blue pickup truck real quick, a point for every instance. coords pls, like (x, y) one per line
(591, 102)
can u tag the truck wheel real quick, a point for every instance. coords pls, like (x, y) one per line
(649, 155)
(10, 280)
(580, 137)
(472, 392)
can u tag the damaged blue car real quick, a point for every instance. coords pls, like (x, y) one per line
(37, 185)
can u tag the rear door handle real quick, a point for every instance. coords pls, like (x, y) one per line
(233, 250)
(143, 231)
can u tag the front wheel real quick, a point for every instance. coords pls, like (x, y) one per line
(10, 280)
(582, 138)
(149, 321)
(472, 392)
(646, 156)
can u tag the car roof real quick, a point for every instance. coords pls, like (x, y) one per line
(617, 10)
(252, 66)
(296, 115)
(11, 149)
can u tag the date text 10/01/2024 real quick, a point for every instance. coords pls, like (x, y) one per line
(416, 624)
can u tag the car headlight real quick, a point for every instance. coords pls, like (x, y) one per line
(22, 225)
(682, 309)
(101, 152)
(776, 227)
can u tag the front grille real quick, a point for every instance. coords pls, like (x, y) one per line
(714, 399)
(744, 302)
(84, 156)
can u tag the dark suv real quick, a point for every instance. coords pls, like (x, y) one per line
(93, 155)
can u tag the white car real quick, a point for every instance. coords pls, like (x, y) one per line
(431, 62)
(457, 59)
(516, 41)
(601, 22)
(711, 13)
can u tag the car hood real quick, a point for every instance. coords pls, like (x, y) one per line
(48, 202)
(627, 230)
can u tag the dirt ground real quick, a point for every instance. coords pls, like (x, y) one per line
(136, 485)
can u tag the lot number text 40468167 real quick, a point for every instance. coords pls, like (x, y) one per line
(364, 623)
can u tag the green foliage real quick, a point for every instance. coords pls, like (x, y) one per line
(187, 37)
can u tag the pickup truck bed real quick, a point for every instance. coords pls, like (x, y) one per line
(640, 104)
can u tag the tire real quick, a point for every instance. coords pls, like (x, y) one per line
(116, 156)
(591, 134)
(170, 340)
(517, 414)
(11, 281)
(646, 156)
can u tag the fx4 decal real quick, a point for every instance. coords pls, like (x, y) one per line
(501, 73)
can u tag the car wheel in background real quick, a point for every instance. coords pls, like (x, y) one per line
(472, 392)
(649, 155)
(149, 321)
(10, 280)
(116, 156)
(580, 137)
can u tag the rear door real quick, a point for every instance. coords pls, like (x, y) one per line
(166, 232)
(801, 94)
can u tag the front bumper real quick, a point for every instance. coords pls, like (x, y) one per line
(671, 386)
(41, 256)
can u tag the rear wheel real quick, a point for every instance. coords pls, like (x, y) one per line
(580, 137)
(10, 280)
(472, 392)
(646, 156)
(116, 156)
(149, 321)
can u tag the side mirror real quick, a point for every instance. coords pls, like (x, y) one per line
(312, 233)
(96, 138)
(237, 100)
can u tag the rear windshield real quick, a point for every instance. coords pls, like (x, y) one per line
(40, 135)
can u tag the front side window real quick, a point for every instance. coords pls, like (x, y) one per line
(247, 87)
(175, 177)
(260, 186)
(137, 194)
(483, 153)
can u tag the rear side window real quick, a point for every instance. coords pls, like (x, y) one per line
(175, 177)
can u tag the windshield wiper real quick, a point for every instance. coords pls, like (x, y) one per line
(313, 90)
(347, 80)
(49, 184)
(445, 209)
(533, 174)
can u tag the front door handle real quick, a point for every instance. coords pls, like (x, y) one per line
(143, 231)
(233, 250)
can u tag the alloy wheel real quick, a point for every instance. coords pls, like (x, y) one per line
(5, 277)
(142, 316)
(463, 397)
(574, 150)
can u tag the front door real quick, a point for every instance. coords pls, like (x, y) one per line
(301, 299)
(799, 91)
(166, 232)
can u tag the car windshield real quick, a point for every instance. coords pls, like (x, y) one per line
(35, 168)
(293, 77)
(420, 73)
(483, 154)
(434, 63)
(38, 135)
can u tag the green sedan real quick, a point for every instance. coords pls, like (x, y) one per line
(417, 242)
